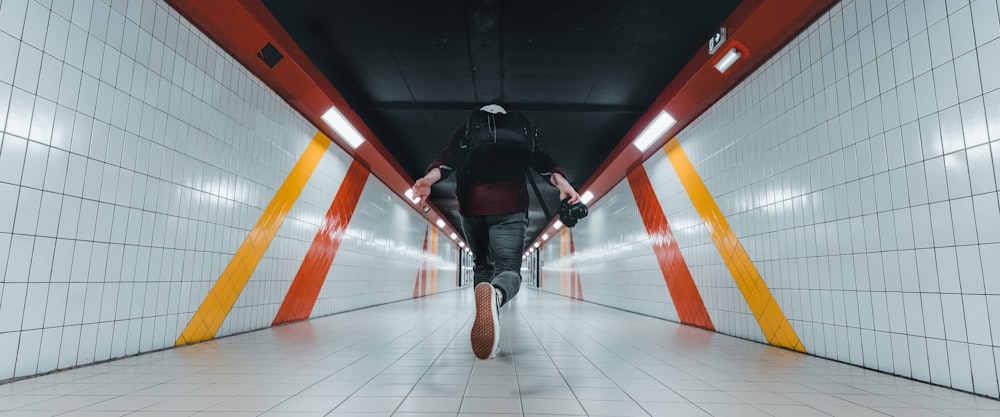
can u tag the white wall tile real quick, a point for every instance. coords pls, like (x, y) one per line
(957, 173)
(67, 351)
(967, 76)
(970, 270)
(935, 11)
(29, 64)
(940, 373)
(57, 36)
(27, 353)
(984, 378)
(55, 307)
(26, 220)
(36, 22)
(12, 308)
(963, 223)
(940, 43)
(48, 355)
(962, 37)
(974, 124)
(19, 113)
(961, 367)
(34, 306)
(918, 358)
(955, 6)
(945, 85)
(8, 207)
(987, 214)
(12, 16)
(985, 20)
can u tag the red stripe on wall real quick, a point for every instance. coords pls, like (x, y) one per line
(690, 307)
(302, 295)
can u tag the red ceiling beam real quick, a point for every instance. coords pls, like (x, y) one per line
(243, 27)
(762, 26)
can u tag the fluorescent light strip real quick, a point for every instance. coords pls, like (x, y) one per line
(587, 197)
(409, 194)
(654, 130)
(342, 127)
(728, 60)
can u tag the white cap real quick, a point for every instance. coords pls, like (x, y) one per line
(493, 109)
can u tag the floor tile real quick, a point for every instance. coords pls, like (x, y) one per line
(559, 357)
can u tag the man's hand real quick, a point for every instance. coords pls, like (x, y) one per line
(565, 189)
(422, 186)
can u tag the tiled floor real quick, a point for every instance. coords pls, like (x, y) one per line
(558, 357)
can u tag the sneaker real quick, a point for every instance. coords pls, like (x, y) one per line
(486, 328)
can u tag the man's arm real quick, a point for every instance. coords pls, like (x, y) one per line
(542, 162)
(422, 187)
(439, 169)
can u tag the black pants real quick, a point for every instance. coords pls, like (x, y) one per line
(497, 243)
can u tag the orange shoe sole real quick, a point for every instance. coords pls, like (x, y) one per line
(483, 330)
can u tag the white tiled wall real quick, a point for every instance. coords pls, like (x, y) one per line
(381, 255)
(859, 168)
(135, 156)
(614, 259)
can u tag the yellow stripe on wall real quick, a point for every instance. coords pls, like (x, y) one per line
(771, 319)
(221, 298)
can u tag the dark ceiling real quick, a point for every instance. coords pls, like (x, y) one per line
(583, 71)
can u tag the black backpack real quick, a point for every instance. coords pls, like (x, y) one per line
(511, 131)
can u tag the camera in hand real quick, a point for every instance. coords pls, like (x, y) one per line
(569, 214)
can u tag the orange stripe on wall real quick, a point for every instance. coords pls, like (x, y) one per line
(304, 291)
(577, 289)
(564, 247)
(687, 300)
(417, 291)
(432, 263)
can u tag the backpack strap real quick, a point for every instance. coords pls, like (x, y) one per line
(541, 201)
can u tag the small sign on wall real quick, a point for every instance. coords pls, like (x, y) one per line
(716, 41)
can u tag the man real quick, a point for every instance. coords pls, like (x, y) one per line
(493, 201)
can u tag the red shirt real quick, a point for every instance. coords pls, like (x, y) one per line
(478, 196)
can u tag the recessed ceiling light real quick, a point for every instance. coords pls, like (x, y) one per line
(342, 127)
(409, 194)
(654, 130)
(728, 60)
